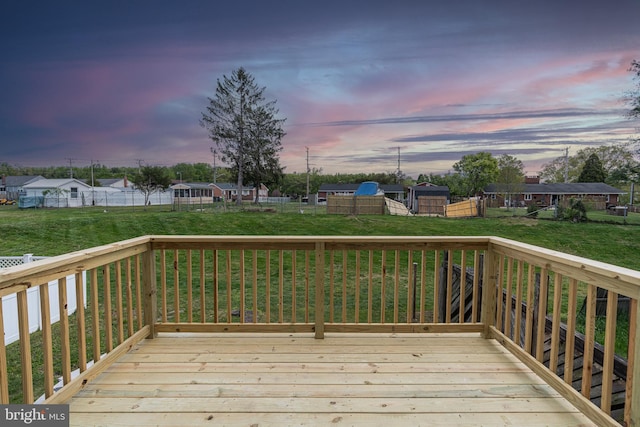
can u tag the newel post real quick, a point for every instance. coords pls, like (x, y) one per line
(320, 307)
(632, 404)
(150, 290)
(490, 277)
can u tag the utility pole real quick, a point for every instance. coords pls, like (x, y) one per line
(566, 165)
(70, 167)
(215, 170)
(93, 191)
(308, 171)
(398, 172)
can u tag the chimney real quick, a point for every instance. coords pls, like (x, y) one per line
(532, 179)
(126, 183)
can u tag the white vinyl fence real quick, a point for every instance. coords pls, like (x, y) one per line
(10, 303)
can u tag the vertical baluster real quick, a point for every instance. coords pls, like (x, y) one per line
(410, 284)
(477, 271)
(65, 350)
(280, 286)
(518, 320)
(589, 338)
(555, 326)
(357, 288)
(47, 341)
(436, 287)
(542, 314)
(119, 302)
(569, 346)
(163, 284)
(129, 298)
(463, 287)
(267, 280)
(216, 286)
(609, 351)
(331, 287)
(508, 297)
(344, 286)
(370, 290)
(107, 306)
(449, 294)
(4, 381)
(203, 299)
(383, 281)
(189, 286)
(632, 399)
(138, 292)
(423, 286)
(293, 286)
(228, 271)
(319, 284)
(396, 287)
(255, 286)
(95, 315)
(307, 270)
(242, 287)
(25, 347)
(529, 314)
(80, 316)
(500, 295)
(176, 286)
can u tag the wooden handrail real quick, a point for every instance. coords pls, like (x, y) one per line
(316, 284)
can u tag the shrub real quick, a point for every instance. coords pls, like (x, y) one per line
(532, 211)
(576, 212)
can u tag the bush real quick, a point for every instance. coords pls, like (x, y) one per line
(576, 212)
(532, 211)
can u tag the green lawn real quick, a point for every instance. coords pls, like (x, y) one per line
(56, 231)
(53, 232)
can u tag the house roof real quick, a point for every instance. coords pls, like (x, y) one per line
(562, 188)
(54, 183)
(344, 188)
(105, 182)
(20, 180)
(430, 188)
(229, 186)
(185, 185)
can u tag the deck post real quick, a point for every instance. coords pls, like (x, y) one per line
(632, 412)
(319, 303)
(150, 290)
(490, 277)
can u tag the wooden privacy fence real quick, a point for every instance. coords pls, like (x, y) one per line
(317, 284)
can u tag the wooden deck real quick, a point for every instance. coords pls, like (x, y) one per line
(346, 379)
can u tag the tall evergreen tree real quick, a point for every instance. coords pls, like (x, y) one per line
(592, 171)
(243, 126)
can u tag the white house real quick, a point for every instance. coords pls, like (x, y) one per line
(66, 192)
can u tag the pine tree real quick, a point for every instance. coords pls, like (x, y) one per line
(244, 128)
(592, 171)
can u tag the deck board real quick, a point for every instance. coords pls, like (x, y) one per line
(345, 379)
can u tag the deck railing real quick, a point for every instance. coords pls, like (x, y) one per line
(528, 298)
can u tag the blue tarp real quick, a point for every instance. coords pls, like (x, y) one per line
(368, 188)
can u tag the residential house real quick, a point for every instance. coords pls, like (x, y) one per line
(66, 192)
(12, 186)
(229, 191)
(192, 192)
(598, 194)
(115, 182)
(428, 199)
(392, 191)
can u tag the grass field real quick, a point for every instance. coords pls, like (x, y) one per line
(56, 231)
(51, 232)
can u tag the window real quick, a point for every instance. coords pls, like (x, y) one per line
(527, 196)
(74, 192)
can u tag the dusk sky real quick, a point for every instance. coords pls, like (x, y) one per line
(118, 82)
